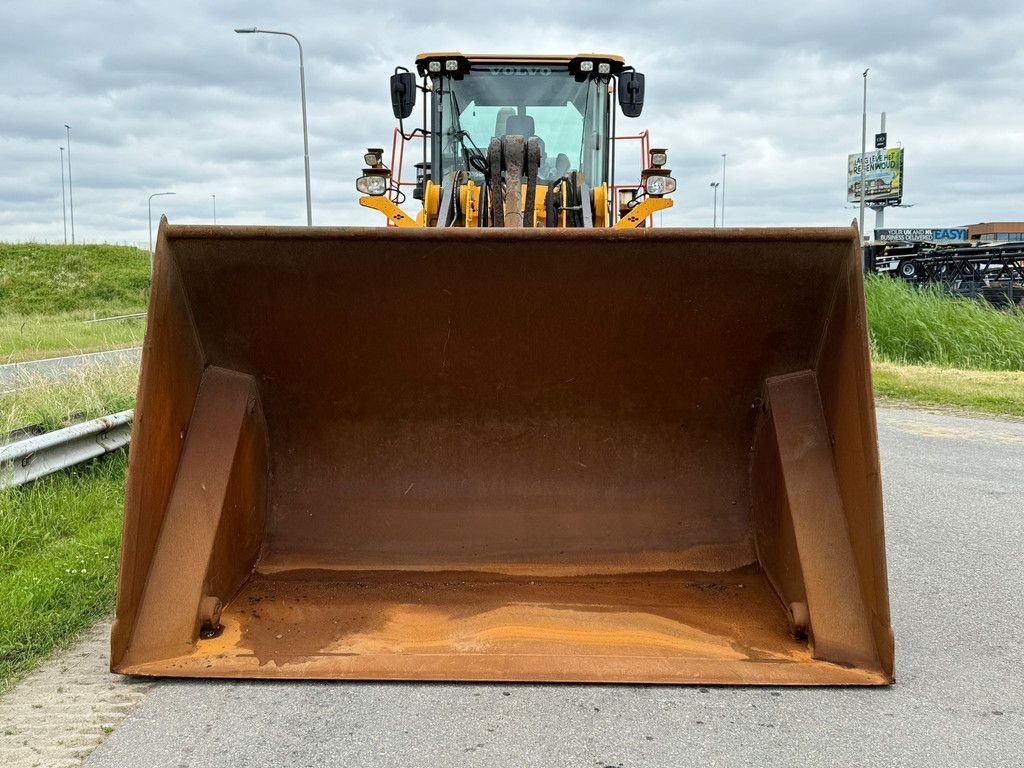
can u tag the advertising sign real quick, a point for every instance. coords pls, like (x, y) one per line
(884, 177)
(954, 234)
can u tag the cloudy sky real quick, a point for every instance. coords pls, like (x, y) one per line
(166, 97)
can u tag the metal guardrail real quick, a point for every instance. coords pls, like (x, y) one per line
(36, 457)
(133, 316)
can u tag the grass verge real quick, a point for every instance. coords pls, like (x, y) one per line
(60, 535)
(40, 279)
(1000, 393)
(47, 292)
(84, 393)
(59, 539)
(925, 327)
(930, 349)
(33, 337)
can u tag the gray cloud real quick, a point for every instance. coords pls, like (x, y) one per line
(163, 97)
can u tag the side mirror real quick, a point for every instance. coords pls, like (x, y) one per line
(403, 94)
(631, 93)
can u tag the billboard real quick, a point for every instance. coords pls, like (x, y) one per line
(884, 176)
(953, 234)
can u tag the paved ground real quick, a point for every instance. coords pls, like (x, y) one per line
(955, 495)
(60, 712)
(14, 376)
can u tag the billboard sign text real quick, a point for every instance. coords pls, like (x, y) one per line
(884, 177)
(907, 235)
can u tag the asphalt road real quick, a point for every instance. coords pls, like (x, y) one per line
(954, 491)
(14, 376)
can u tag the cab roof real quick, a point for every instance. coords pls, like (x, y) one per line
(423, 59)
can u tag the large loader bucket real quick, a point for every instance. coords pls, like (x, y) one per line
(575, 455)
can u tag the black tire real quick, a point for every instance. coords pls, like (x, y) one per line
(909, 269)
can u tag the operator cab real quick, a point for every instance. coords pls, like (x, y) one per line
(531, 136)
(555, 101)
(563, 101)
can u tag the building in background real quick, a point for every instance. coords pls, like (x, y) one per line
(996, 230)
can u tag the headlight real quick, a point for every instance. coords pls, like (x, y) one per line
(452, 65)
(372, 185)
(660, 185)
(604, 68)
(659, 157)
(434, 66)
(586, 66)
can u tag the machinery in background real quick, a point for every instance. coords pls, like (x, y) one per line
(993, 271)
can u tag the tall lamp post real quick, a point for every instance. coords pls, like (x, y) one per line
(305, 127)
(63, 200)
(714, 215)
(723, 189)
(71, 191)
(150, 203)
(863, 154)
(214, 208)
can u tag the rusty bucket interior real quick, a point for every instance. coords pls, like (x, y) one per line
(510, 455)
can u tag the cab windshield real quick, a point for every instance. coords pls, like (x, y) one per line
(568, 116)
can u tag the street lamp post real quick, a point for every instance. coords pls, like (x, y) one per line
(863, 154)
(305, 127)
(714, 214)
(723, 189)
(71, 191)
(150, 203)
(214, 208)
(63, 200)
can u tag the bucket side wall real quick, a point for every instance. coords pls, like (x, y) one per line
(172, 367)
(844, 380)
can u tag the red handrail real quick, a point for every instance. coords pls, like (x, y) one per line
(645, 163)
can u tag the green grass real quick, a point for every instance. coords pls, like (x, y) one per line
(38, 279)
(927, 328)
(930, 349)
(59, 536)
(85, 393)
(996, 392)
(47, 292)
(59, 539)
(32, 337)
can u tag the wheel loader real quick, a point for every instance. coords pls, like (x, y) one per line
(516, 435)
